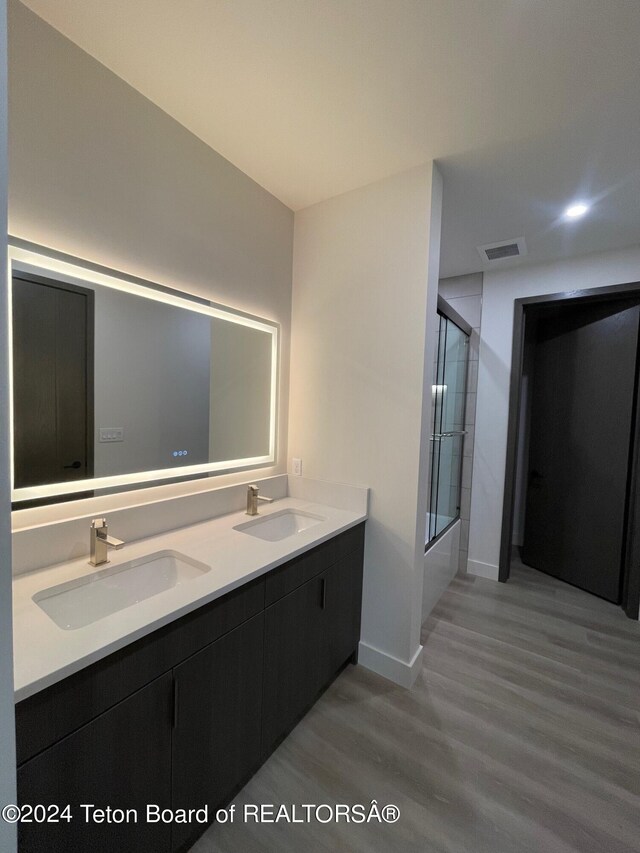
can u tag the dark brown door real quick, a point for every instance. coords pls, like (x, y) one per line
(582, 411)
(52, 382)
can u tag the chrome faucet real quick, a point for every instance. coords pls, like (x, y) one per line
(252, 500)
(100, 542)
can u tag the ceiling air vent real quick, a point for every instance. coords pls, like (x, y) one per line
(503, 250)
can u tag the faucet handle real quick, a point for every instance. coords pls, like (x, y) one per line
(252, 491)
(98, 523)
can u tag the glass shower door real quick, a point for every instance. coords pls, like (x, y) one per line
(447, 439)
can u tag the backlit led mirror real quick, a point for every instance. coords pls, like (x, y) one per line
(117, 381)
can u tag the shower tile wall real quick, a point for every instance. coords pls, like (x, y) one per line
(464, 294)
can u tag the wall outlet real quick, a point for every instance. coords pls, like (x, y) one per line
(111, 434)
(297, 467)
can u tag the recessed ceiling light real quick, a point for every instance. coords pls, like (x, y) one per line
(575, 211)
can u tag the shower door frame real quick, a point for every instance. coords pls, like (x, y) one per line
(631, 563)
(445, 310)
(451, 314)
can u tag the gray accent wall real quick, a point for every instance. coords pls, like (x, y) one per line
(101, 173)
(464, 294)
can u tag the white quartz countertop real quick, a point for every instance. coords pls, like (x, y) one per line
(45, 653)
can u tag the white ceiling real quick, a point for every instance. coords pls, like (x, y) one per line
(526, 104)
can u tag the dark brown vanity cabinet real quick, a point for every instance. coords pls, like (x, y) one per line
(120, 760)
(294, 674)
(217, 727)
(309, 635)
(182, 718)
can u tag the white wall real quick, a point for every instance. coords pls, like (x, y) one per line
(499, 292)
(7, 745)
(98, 171)
(365, 282)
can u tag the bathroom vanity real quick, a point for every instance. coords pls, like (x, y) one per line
(183, 716)
(163, 673)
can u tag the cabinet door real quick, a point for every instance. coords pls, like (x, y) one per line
(122, 760)
(295, 658)
(343, 602)
(216, 739)
(309, 635)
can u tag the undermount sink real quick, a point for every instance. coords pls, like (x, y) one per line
(279, 525)
(80, 602)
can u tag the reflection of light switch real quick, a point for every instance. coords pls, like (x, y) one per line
(111, 434)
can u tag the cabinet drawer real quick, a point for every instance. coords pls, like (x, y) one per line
(55, 712)
(291, 575)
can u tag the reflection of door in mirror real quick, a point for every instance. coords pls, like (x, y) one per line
(53, 327)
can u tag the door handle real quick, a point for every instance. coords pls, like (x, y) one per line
(174, 721)
(76, 464)
(323, 593)
(535, 477)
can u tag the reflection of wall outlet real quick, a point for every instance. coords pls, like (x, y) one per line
(111, 434)
(297, 467)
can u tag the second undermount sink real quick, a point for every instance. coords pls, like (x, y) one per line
(279, 525)
(80, 602)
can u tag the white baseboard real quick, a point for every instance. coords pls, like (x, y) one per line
(482, 570)
(400, 672)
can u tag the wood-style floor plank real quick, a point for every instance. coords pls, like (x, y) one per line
(521, 735)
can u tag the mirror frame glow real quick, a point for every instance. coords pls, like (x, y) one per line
(29, 257)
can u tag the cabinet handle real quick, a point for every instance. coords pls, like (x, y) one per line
(174, 722)
(323, 592)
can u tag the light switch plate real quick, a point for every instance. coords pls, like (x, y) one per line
(109, 434)
(297, 467)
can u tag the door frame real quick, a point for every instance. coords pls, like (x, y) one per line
(631, 542)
